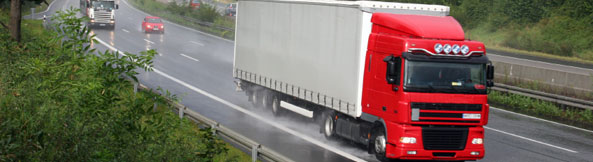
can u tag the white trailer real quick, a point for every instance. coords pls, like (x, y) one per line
(311, 50)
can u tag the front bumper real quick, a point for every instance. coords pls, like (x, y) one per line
(417, 151)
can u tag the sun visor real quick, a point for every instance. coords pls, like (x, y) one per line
(429, 27)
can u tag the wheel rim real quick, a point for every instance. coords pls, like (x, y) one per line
(329, 126)
(380, 144)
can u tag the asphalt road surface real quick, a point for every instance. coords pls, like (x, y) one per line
(198, 68)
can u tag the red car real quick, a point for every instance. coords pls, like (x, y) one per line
(195, 4)
(153, 24)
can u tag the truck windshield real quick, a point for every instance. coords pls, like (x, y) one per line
(422, 76)
(103, 5)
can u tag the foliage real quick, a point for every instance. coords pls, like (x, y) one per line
(561, 27)
(527, 105)
(60, 100)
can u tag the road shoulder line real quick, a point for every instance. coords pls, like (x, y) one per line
(540, 119)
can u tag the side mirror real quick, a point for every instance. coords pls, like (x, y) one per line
(489, 72)
(489, 83)
(393, 69)
(116, 6)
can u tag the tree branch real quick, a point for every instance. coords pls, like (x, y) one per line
(4, 25)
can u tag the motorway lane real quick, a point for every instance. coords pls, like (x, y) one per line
(212, 73)
(540, 64)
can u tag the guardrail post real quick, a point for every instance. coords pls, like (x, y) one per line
(181, 112)
(32, 13)
(135, 87)
(254, 152)
(213, 128)
(155, 105)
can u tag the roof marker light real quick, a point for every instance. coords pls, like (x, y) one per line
(464, 49)
(447, 48)
(438, 48)
(456, 49)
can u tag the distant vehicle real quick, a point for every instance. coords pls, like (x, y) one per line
(153, 24)
(195, 3)
(99, 12)
(231, 9)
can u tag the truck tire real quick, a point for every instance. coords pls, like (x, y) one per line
(256, 97)
(329, 125)
(267, 99)
(379, 143)
(275, 107)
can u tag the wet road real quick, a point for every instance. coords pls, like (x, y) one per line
(198, 68)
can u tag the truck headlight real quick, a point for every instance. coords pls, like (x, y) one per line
(464, 49)
(438, 48)
(447, 48)
(409, 140)
(477, 141)
(456, 49)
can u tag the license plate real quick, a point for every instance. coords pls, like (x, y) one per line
(155, 28)
(101, 24)
(472, 116)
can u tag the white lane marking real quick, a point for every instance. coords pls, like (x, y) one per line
(532, 140)
(252, 114)
(197, 43)
(296, 109)
(189, 57)
(527, 116)
(125, 30)
(566, 66)
(148, 41)
(181, 26)
(48, 7)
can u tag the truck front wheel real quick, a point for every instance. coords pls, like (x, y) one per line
(379, 144)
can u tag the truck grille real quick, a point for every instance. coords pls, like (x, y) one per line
(444, 112)
(447, 107)
(102, 16)
(444, 138)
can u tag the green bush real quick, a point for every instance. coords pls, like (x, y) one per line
(540, 108)
(60, 100)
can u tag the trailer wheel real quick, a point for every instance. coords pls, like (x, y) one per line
(267, 99)
(276, 109)
(329, 126)
(256, 98)
(379, 144)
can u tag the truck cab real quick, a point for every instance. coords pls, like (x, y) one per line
(100, 12)
(427, 84)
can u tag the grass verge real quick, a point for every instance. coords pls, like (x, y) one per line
(493, 40)
(541, 109)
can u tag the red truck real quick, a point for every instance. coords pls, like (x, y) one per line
(398, 78)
